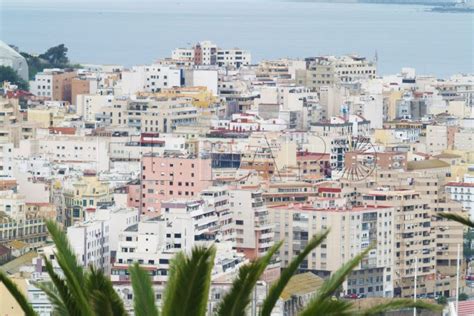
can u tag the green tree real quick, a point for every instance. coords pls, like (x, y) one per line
(88, 292)
(442, 300)
(56, 56)
(9, 74)
(463, 297)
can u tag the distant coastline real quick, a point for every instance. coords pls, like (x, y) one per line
(441, 6)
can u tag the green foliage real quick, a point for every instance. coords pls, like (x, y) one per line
(279, 286)
(458, 218)
(235, 302)
(54, 57)
(187, 291)
(143, 296)
(104, 299)
(9, 74)
(442, 300)
(397, 304)
(463, 297)
(89, 292)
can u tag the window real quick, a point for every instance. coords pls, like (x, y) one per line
(239, 222)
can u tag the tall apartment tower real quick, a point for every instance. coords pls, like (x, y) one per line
(414, 240)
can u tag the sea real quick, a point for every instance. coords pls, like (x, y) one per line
(133, 32)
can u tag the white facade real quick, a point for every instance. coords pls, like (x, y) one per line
(42, 85)
(253, 229)
(186, 54)
(90, 242)
(6, 159)
(88, 105)
(234, 58)
(462, 192)
(205, 78)
(70, 149)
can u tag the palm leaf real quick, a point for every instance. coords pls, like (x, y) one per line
(19, 297)
(398, 304)
(237, 299)
(48, 288)
(143, 294)
(105, 300)
(457, 218)
(332, 284)
(187, 291)
(330, 307)
(60, 295)
(279, 286)
(73, 272)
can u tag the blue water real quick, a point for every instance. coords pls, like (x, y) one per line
(137, 32)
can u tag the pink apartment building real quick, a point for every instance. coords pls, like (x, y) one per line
(168, 177)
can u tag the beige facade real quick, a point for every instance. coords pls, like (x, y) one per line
(352, 230)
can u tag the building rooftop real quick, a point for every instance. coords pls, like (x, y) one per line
(427, 164)
(13, 266)
(460, 184)
(301, 284)
(447, 156)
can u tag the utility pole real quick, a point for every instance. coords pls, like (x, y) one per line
(414, 290)
(457, 279)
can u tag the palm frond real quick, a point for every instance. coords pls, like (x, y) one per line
(59, 295)
(73, 272)
(187, 291)
(398, 304)
(333, 283)
(143, 294)
(329, 307)
(287, 273)
(104, 299)
(48, 288)
(19, 297)
(237, 299)
(457, 218)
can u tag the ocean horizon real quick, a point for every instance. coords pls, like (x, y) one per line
(131, 33)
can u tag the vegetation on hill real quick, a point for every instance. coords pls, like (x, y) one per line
(54, 57)
(9, 74)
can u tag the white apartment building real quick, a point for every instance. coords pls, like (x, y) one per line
(149, 78)
(352, 230)
(43, 84)
(90, 242)
(207, 53)
(6, 159)
(150, 115)
(185, 54)
(88, 105)
(119, 219)
(253, 229)
(462, 192)
(69, 148)
(183, 224)
(218, 198)
(158, 77)
(234, 58)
